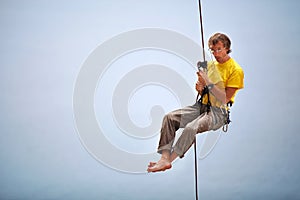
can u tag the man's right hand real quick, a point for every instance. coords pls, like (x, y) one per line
(200, 83)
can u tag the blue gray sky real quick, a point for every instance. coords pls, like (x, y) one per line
(44, 46)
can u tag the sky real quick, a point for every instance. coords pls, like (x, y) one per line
(85, 85)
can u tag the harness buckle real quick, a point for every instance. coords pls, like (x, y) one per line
(227, 120)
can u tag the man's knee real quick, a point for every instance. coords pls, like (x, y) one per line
(190, 130)
(202, 127)
(168, 117)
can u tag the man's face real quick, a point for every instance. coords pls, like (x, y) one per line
(219, 51)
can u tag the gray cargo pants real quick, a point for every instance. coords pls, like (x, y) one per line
(194, 119)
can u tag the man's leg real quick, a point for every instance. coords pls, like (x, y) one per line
(171, 123)
(212, 120)
(185, 141)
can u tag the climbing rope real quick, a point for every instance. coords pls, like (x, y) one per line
(201, 66)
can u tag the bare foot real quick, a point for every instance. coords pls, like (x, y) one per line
(151, 164)
(161, 165)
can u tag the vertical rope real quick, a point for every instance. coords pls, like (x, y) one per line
(201, 26)
(201, 64)
(196, 168)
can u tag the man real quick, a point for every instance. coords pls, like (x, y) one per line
(218, 86)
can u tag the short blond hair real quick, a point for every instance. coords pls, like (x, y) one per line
(220, 37)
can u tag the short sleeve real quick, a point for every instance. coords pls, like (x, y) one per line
(236, 79)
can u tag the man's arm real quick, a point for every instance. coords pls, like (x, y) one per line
(223, 95)
(230, 91)
(226, 96)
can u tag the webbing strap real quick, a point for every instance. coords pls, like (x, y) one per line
(205, 91)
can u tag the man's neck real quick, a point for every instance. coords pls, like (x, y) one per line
(224, 59)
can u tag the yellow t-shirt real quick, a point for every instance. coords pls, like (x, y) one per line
(228, 74)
